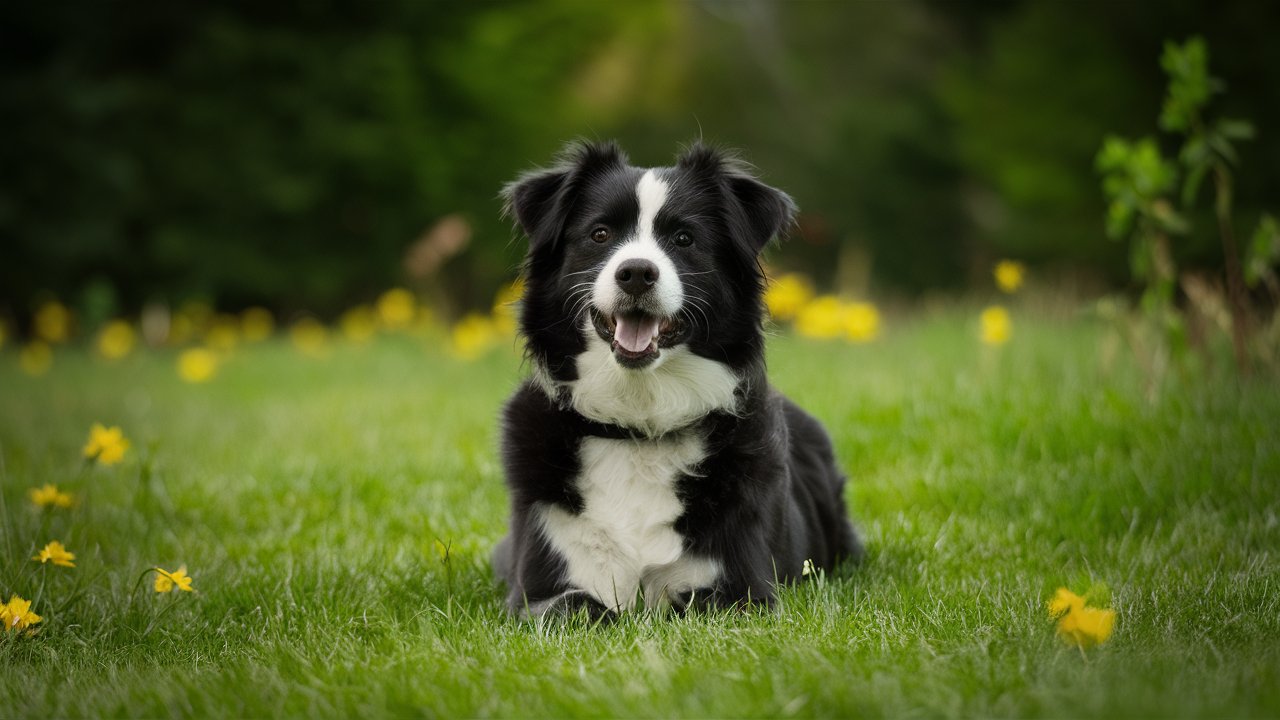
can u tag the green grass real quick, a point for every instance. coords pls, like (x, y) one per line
(306, 497)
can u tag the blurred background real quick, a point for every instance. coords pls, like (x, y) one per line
(305, 156)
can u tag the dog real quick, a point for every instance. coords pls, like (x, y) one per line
(648, 460)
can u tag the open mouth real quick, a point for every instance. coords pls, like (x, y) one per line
(637, 338)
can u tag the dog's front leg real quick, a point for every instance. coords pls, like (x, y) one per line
(569, 604)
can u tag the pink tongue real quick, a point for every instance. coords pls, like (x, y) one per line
(635, 334)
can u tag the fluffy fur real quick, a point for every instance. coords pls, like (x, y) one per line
(648, 459)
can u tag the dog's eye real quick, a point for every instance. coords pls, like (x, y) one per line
(683, 238)
(600, 234)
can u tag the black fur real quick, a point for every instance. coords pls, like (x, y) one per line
(768, 493)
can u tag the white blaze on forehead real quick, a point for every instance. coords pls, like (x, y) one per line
(652, 193)
(667, 295)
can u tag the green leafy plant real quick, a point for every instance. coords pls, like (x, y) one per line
(1208, 149)
(1261, 257)
(1138, 179)
(1139, 183)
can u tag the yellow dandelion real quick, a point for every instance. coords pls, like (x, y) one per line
(508, 296)
(223, 334)
(787, 295)
(473, 336)
(1064, 601)
(396, 308)
(861, 322)
(256, 324)
(822, 318)
(53, 322)
(996, 325)
(197, 365)
(17, 615)
(310, 337)
(116, 340)
(1009, 275)
(505, 305)
(107, 445)
(1079, 624)
(35, 358)
(48, 495)
(166, 581)
(55, 553)
(359, 324)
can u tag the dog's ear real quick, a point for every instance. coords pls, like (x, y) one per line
(540, 200)
(769, 211)
(766, 211)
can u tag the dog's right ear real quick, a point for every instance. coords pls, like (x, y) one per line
(540, 200)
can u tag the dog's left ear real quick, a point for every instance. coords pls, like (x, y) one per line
(769, 211)
(766, 212)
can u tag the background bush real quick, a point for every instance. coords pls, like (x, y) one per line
(287, 154)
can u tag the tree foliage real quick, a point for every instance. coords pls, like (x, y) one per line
(288, 154)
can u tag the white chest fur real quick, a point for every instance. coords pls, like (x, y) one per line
(678, 388)
(624, 541)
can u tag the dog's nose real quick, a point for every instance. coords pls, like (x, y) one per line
(636, 276)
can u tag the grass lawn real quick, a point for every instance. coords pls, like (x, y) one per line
(306, 497)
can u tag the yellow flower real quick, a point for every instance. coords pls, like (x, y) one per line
(197, 365)
(256, 324)
(53, 322)
(310, 337)
(821, 318)
(1077, 623)
(861, 322)
(223, 334)
(106, 444)
(49, 495)
(1087, 626)
(787, 295)
(1009, 275)
(57, 554)
(16, 614)
(996, 326)
(35, 358)
(396, 308)
(1064, 601)
(473, 336)
(116, 339)
(508, 295)
(358, 324)
(166, 581)
(505, 306)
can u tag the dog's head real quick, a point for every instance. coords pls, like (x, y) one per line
(644, 259)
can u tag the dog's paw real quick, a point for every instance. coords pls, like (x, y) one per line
(696, 600)
(569, 604)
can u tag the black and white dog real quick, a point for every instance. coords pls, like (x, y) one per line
(648, 459)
